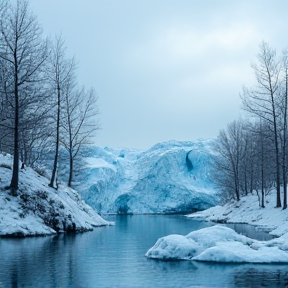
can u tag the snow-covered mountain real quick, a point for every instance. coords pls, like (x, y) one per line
(39, 209)
(170, 177)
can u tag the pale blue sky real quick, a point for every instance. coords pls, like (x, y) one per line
(163, 69)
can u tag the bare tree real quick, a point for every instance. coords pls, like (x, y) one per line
(230, 149)
(248, 162)
(33, 120)
(284, 108)
(35, 129)
(243, 160)
(79, 121)
(59, 73)
(6, 110)
(263, 100)
(24, 53)
(265, 177)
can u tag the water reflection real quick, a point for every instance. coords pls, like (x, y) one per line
(250, 231)
(114, 257)
(261, 276)
(199, 274)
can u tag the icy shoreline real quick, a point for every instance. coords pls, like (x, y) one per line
(247, 211)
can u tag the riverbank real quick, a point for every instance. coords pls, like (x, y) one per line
(247, 210)
(39, 210)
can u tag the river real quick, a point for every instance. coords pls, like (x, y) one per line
(114, 257)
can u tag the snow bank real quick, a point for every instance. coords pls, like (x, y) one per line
(247, 210)
(220, 244)
(38, 209)
(159, 180)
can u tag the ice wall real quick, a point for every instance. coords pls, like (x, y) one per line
(170, 177)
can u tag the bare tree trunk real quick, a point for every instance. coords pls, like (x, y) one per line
(262, 166)
(284, 160)
(15, 171)
(278, 182)
(51, 184)
(71, 164)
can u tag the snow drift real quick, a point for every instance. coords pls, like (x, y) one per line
(38, 209)
(220, 244)
(170, 177)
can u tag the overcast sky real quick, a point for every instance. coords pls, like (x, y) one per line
(164, 69)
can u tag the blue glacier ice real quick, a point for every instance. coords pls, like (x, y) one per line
(170, 177)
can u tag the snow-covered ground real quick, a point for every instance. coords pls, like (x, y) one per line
(247, 210)
(222, 244)
(159, 180)
(39, 209)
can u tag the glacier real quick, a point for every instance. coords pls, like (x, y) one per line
(170, 177)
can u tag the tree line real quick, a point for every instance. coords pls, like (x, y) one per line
(42, 106)
(251, 153)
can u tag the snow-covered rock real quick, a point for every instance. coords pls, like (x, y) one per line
(170, 177)
(39, 209)
(220, 244)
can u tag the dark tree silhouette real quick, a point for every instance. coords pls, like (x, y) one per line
(24, 54)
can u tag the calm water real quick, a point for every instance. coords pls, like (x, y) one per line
(114, 257)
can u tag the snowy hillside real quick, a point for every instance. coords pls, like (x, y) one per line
(38, 209)
(169, 177)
